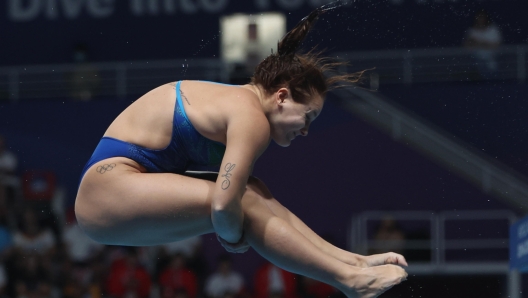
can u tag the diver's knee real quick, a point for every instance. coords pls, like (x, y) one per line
(94, 232)
(92, 223)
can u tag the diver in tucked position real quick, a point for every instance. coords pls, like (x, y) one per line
(135, 189)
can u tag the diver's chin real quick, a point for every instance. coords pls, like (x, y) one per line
(283, 143)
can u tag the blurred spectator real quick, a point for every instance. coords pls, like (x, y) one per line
(32, 237)
(30, 278)
(84, 80)
(224, 281)
(389, 237)
(272, 281)
(80, 248)
(127, 278)
(483, 38)
(178, 279)
(191, 249)
(8, 177)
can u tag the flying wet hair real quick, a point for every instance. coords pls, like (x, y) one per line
(290, 43)
(305, 74)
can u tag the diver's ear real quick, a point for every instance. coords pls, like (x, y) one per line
(281, 95)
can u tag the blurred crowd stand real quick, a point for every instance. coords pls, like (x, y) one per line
(45, 254)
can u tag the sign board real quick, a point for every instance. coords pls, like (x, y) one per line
(48, 31)
(519, 245)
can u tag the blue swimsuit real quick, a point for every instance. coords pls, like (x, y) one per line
(187, 147)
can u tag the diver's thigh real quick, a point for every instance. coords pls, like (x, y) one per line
(127, 206)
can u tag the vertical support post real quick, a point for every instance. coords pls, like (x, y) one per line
(354, 237)
(435, 236)
(364, 241)
(351, 235)
(440, 257)
(514, 284)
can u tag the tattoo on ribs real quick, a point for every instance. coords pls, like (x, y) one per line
(185, 97)
(228, 168)
(105, 168)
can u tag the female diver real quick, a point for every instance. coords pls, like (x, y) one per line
(135, 189)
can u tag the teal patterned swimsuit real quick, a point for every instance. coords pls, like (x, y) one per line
(186, 148)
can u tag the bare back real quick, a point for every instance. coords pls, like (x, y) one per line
(148, 121)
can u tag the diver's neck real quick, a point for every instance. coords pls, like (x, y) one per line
(264, 99)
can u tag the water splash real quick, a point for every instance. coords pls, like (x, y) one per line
(185, 67)
(333, 5)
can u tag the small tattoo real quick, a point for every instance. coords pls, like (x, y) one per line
(228, 168)
(185, 97)
(104, 168)
(173, 84)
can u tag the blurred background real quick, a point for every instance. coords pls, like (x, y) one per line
(427, 157)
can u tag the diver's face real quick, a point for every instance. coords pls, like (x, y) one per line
(293, 119)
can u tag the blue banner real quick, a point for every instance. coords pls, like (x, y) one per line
(519, 245)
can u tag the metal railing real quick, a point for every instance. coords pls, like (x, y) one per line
(361, 240)
(121, 79)
(111, 79)
(439, 241)
(435, 64)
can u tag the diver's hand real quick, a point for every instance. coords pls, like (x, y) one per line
(384, 259)
(240, 247)
(374, 281)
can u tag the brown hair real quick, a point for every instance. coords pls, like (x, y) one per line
(303, 73)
